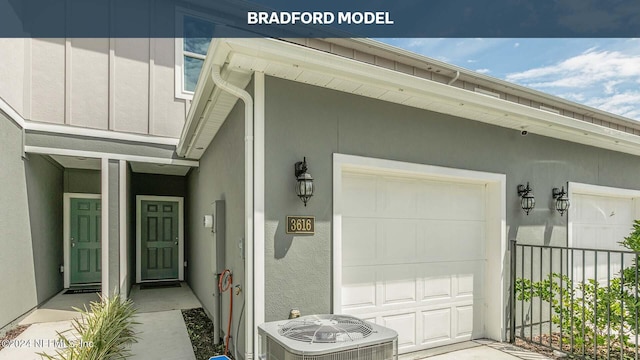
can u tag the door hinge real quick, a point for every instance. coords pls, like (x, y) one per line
(185, 264)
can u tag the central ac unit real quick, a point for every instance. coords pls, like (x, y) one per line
(327, 337)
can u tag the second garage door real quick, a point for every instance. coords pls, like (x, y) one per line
(414, 257)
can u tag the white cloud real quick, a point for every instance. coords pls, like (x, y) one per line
(625, 104)
(604, 79)
(585, 69)
(483, 71)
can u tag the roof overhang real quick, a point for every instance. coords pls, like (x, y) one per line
(239, 58)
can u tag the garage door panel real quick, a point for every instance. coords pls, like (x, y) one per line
(359, 242)
(399, 240)
(405, 325)
(399, 285)
(469, 202)
(359, 195)
(464, 321)
(359, 287)
(452, 240)
(436, 325)
(399, 197)
(452, 280)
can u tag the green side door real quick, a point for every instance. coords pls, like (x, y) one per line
(159, 240)
(85, 241)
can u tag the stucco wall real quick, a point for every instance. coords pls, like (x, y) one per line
(44, 192)
(82, 181)
(303, 120)
(16, 257)
(219, 177)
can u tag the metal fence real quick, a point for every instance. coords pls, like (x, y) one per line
(583, 302)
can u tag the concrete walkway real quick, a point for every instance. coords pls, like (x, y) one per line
(475, 350)
(162, 331)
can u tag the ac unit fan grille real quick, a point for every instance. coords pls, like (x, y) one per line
(326, 329)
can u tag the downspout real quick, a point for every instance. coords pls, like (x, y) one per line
(248, 201)
(454, 78)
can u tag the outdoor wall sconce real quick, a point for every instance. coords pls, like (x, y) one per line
(562, 201)
(304, 187)
(527, 201)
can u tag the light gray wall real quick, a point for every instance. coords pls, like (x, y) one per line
(44, 192)
(114, 225)
(82, 181)
(219, 177)
(303, 120)
(16, 260)
(77, 82)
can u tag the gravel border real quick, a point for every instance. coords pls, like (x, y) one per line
(200, 329)
(12, 334)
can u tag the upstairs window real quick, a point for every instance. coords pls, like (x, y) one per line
(191, 49)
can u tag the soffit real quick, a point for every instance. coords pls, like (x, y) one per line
(302, 64)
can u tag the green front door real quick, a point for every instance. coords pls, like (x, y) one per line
(159, 240)
(85, 239)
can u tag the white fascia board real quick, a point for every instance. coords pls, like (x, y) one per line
(216, 55)
(12, 113)
(280, 52)
(101, 134)
(113, 156)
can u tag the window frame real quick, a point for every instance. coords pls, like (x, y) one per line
(180, 53)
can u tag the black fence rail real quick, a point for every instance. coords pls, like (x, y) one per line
(583, 302)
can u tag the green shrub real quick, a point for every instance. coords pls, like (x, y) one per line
(103, 332)
(583, 321)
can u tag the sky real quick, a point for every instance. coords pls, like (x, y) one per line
(602, 73)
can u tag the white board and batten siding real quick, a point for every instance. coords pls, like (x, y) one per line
(414, 255)
(124, 85)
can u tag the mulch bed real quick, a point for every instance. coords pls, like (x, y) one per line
(200, 329)
(614, 351)
(13, 333)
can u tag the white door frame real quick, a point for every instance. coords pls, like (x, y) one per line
(66, 232)
(180, 201)
(589, 189)
(496, 247)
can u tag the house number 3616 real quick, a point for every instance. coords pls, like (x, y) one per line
(300, 224)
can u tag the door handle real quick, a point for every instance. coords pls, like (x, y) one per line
(175, 243)
(73, 242)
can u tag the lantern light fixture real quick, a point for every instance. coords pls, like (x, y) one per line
(562, 201)
(527, 200)
(304, 185)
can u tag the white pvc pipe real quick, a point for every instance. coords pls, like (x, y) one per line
(248, 201)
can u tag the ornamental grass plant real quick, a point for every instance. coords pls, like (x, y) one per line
(103, 332)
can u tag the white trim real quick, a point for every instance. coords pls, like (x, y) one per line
(13, 115)
(259, 205)
(113, 156)
(104, 178)
(494, 316)
(66, 230)
(180, 201)
(96, 133)
(598, 190)
(124, 238)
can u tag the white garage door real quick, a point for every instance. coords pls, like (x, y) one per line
(413, 257)
(600, 221)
